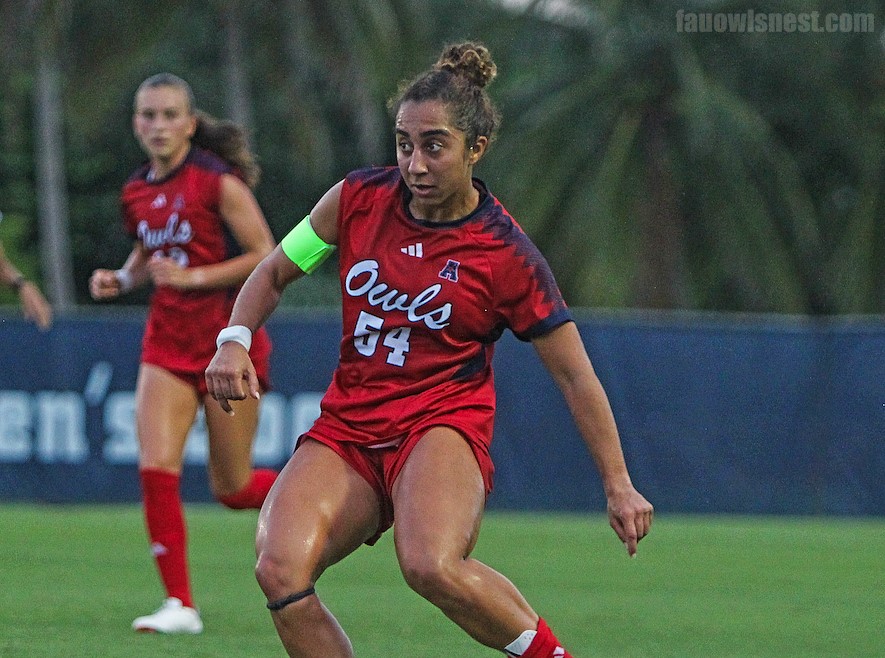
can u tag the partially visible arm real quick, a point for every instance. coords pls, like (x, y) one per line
(563, 354)
(9, 274)
(242, 215)
(108, 284)
(34, 304)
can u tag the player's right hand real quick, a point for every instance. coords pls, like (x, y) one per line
(231, 376)
(630, 515)
(104, 284)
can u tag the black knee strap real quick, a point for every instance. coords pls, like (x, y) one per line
(292, 598)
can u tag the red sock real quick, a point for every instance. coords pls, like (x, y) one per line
(253, 494)
(164, 518)
(545, 644)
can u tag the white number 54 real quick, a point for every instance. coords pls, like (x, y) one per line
(368, 331)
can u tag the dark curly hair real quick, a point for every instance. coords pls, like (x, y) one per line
(459, 80)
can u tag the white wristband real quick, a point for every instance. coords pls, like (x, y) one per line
(124, 279)
(237, 333)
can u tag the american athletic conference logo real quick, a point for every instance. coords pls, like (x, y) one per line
(450, 271)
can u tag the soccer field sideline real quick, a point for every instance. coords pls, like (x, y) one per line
(74, 576)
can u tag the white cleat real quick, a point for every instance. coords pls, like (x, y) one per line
(171, 617)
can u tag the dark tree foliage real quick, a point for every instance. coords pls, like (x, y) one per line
(656, 166)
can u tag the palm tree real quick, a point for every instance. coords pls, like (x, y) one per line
(672, 180)
(654, 168)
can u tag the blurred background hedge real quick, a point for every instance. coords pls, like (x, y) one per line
(655, 167)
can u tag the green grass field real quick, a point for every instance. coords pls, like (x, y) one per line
(74, 577)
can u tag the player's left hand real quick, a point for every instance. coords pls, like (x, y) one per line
(630, 516)
(166, 271)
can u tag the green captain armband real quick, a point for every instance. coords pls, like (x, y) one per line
(305, 248)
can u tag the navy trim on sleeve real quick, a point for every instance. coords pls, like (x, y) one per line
(545, 326)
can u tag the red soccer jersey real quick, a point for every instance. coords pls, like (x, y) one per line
(423, 304)
(178, 216)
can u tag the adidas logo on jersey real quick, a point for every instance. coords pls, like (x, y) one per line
(159, 202)
(416, 250)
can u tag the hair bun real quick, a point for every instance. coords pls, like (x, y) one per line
(470, 60)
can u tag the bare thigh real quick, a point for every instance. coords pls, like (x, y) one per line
(439, 497)
(165, 409)
(230, 444)
(319, 511)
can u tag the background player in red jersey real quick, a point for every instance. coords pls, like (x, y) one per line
(433, 269)
(199, 232)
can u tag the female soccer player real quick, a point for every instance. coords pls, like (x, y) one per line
(199, 232)
(433, 269)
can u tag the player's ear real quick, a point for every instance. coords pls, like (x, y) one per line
(476, 150)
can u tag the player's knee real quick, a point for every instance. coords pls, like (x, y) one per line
(428, 575)
(279, 573)
(225, 488)
(275, 576)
